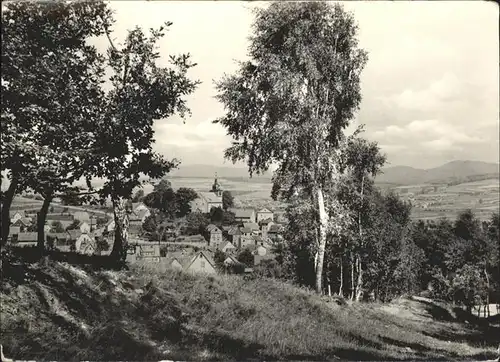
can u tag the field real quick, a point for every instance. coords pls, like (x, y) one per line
(55, 311)
(433, 201)
(430, 201)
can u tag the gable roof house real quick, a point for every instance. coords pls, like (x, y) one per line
(264, 214)
(244, 215)
(202, 263)
(16, 215)
(227, 247)
(254, 227)
(214, 236)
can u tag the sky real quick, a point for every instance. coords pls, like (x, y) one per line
(430, 88)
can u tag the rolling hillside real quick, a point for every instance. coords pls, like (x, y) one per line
(451, 171)
(55, 311)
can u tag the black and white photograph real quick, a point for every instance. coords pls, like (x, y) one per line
(250, 180)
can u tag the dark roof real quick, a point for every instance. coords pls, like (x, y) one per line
(59, 217)
(243, 213)
(212, 228)
(264, 211)
(265, 222)
(245, 230)
(275, 228)
(251, 226)
(234, 230)
(59, 236)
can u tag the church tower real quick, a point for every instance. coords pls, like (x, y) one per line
(216, 187)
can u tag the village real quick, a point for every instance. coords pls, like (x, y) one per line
(237, 244)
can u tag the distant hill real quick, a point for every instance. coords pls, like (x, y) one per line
(454, 171)
(208, 171)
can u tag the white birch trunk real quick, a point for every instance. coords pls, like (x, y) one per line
(341, 287)
(323, 222)
(359, 286)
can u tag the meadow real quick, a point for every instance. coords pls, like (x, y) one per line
(55, 311)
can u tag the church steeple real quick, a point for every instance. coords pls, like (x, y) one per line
(216, 188)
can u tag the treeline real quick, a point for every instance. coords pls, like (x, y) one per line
(456, 261)
(61, 125)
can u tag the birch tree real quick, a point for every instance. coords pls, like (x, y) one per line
(290, 103)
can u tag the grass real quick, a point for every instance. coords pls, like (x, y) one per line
(52, 310)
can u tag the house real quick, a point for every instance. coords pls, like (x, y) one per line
(227, 247)
(244, 215)
(245, 231)
(207, 200)
(234, 235)
(202, 263)
(14, 230)
(264, 226)
(84, 227)
(16, 215)
(138, 207)
(231, 260)
(246, 241)
(264, 214)
(28, 238)
(140, 214)
(215, 236)
(253, 227)
(82, 216)
(274, 231)
(23, 223)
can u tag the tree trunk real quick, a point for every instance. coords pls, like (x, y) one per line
(359, 286)
(40, 223)
(6, 203)
(353, 285)
(341, 287)
(323, 222)
(119, 251)
(487, 289)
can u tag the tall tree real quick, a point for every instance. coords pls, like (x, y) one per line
(141, 92)
(290, 103)
(364, 161)
(50, 85)
(227, 200)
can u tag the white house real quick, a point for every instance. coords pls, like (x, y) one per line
(264, 214)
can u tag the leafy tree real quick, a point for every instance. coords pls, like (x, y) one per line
(219, 257)
(246, 257)
(196, 223)
(163, 198)
(50, 75)
(227, 200)
(216, 215)
(184, 197)
(102, 244)
(138, 196)
(290, 103)
(364, 161)
(141, 92)
(150, 224)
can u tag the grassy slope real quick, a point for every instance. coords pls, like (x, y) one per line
(60, 312)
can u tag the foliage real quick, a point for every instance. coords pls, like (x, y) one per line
(172, 203)
(227, 200)
(149, 224)
(290, 103)
(138, 196)
(246, 257)
(219, 257)
(196, 223)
